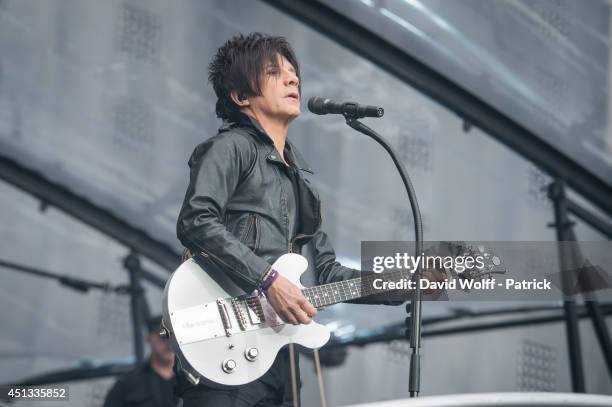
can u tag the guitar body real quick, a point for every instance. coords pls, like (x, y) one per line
(226, 340)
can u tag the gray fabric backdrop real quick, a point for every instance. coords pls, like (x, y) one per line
(109, 98)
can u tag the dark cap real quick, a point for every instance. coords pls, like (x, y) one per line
(154, 324)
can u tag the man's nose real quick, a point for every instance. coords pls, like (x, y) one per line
(291, 79)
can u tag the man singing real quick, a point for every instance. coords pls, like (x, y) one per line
(248, 201)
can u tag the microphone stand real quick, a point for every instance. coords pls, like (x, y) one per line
(415, 311)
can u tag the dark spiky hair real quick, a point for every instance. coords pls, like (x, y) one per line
(240, 65)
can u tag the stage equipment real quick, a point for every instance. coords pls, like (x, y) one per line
(523, 399)
(318, 105)
(570, 258)
(414, 384)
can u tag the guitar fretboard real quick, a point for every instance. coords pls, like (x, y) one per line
(340, 291)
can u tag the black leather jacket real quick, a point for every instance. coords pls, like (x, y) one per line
(235, 215)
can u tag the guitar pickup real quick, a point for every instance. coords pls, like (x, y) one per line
(197, 323)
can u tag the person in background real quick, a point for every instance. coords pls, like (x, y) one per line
(152, 383)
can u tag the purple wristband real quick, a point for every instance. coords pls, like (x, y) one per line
(267, 282)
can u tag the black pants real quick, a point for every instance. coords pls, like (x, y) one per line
(272, 389)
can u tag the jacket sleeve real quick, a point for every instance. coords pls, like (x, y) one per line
(216, 167)
(329, 270)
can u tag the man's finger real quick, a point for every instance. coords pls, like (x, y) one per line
(308, 308)
(299, 313)
(302, 317)
(439, 275)
(288, 318)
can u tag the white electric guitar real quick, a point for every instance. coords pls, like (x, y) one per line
(233, 341)
(226, 339)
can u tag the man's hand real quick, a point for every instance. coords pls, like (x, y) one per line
(434, 276)
(289, 302)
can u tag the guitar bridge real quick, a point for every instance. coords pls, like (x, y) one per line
(255, 316)
(247, 306)
(227, 324)
(239, 314)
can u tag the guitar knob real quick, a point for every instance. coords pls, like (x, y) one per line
(251, 354)
(229, 365)
(496, 260)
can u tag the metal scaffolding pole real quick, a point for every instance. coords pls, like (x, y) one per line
(54, 194)
(465, 104)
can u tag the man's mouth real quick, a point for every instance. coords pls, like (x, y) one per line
(294, 95)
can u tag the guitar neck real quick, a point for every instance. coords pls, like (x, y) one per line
(340, 291)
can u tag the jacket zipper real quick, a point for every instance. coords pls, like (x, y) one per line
(257, 233)
(289, 244)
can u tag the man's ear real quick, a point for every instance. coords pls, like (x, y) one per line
(239, 99)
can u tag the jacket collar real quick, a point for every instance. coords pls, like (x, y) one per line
(298, 159)
(254, 128)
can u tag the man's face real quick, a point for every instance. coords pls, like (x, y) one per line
(280, 97)
(160, 348)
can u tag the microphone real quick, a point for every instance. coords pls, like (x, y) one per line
(318, 105)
